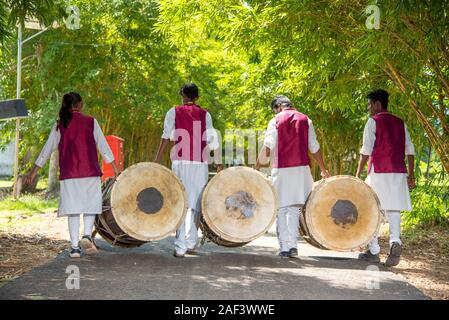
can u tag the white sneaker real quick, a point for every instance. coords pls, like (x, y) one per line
(178, 255)
(75, 252)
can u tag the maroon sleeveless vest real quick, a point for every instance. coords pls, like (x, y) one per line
(292, 139)
(78, 156)
(389, 148)
(190, 120)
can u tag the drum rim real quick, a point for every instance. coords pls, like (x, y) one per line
(168, 233)
(116, 241)
(312, 230)
(221, 233)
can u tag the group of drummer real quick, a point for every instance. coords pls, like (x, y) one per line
(289, 138)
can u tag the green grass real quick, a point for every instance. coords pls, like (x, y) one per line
(27, 204)
(7, 183)
(27, 209)
(42, 184)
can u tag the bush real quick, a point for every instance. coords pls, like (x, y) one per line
(430, 202)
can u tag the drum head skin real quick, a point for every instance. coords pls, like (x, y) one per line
(342, 213)
(148, 201)
(239, 204)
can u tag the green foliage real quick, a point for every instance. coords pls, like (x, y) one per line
(129, 59)
(13, 12)
(430, 199)
(430, 205)
(321, 54)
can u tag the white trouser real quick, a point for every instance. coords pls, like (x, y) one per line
(287, 225)
(74, 227)
(394, 220)
(187, 234)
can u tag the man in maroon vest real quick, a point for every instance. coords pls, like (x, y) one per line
(289, 137)
(190, 127)
(386, 142)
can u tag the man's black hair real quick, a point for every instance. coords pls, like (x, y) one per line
(379, 95)
(190, 90)
(280, 101)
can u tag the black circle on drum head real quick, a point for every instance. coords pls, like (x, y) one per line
(150, 200)
(344, 213)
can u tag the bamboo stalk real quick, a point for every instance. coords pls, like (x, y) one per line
(434, 138)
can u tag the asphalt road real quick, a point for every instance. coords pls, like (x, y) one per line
(250, 272)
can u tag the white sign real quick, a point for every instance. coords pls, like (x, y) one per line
(73, 280)
(73, 20)
(373, 20)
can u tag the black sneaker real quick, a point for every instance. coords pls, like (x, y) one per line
(284, 254)
(293, 252)
(88, 245)
(369, 257)
(395, 255)
(75, 252)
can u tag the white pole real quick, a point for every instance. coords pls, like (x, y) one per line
(19, 81)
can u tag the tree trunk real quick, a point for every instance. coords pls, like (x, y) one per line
(429, 155)
(53, 181)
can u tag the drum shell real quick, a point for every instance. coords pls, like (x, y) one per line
(130, 217)
(106, 225)
(308, 230)
(212, 206)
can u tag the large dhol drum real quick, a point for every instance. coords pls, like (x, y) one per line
(147, 202)
(238, 205)
(342, 213)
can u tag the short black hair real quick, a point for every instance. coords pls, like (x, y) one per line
(190, 90)
(379, 95)
(280, 100)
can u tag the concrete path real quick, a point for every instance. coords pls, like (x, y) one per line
(250, 272)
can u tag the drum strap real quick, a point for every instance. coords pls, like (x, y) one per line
(106, 229)
(209, 235)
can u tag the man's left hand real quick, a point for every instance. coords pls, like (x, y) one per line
(411, 182)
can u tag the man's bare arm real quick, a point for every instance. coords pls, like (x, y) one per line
(362, 162)
(319, 159)
(263, 158)
(411, 171)
(163, 144)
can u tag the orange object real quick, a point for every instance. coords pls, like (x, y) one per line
(117, 147)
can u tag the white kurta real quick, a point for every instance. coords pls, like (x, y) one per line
(80, 195)
(391, 188)
(193, 174)
(292, 184)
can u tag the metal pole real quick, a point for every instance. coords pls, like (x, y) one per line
(19, 81)
(35, 35)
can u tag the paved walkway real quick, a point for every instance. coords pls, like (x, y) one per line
(250, 272)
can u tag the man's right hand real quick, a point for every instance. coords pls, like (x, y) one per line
(115, 168)
(325, 174)
(29, 178)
